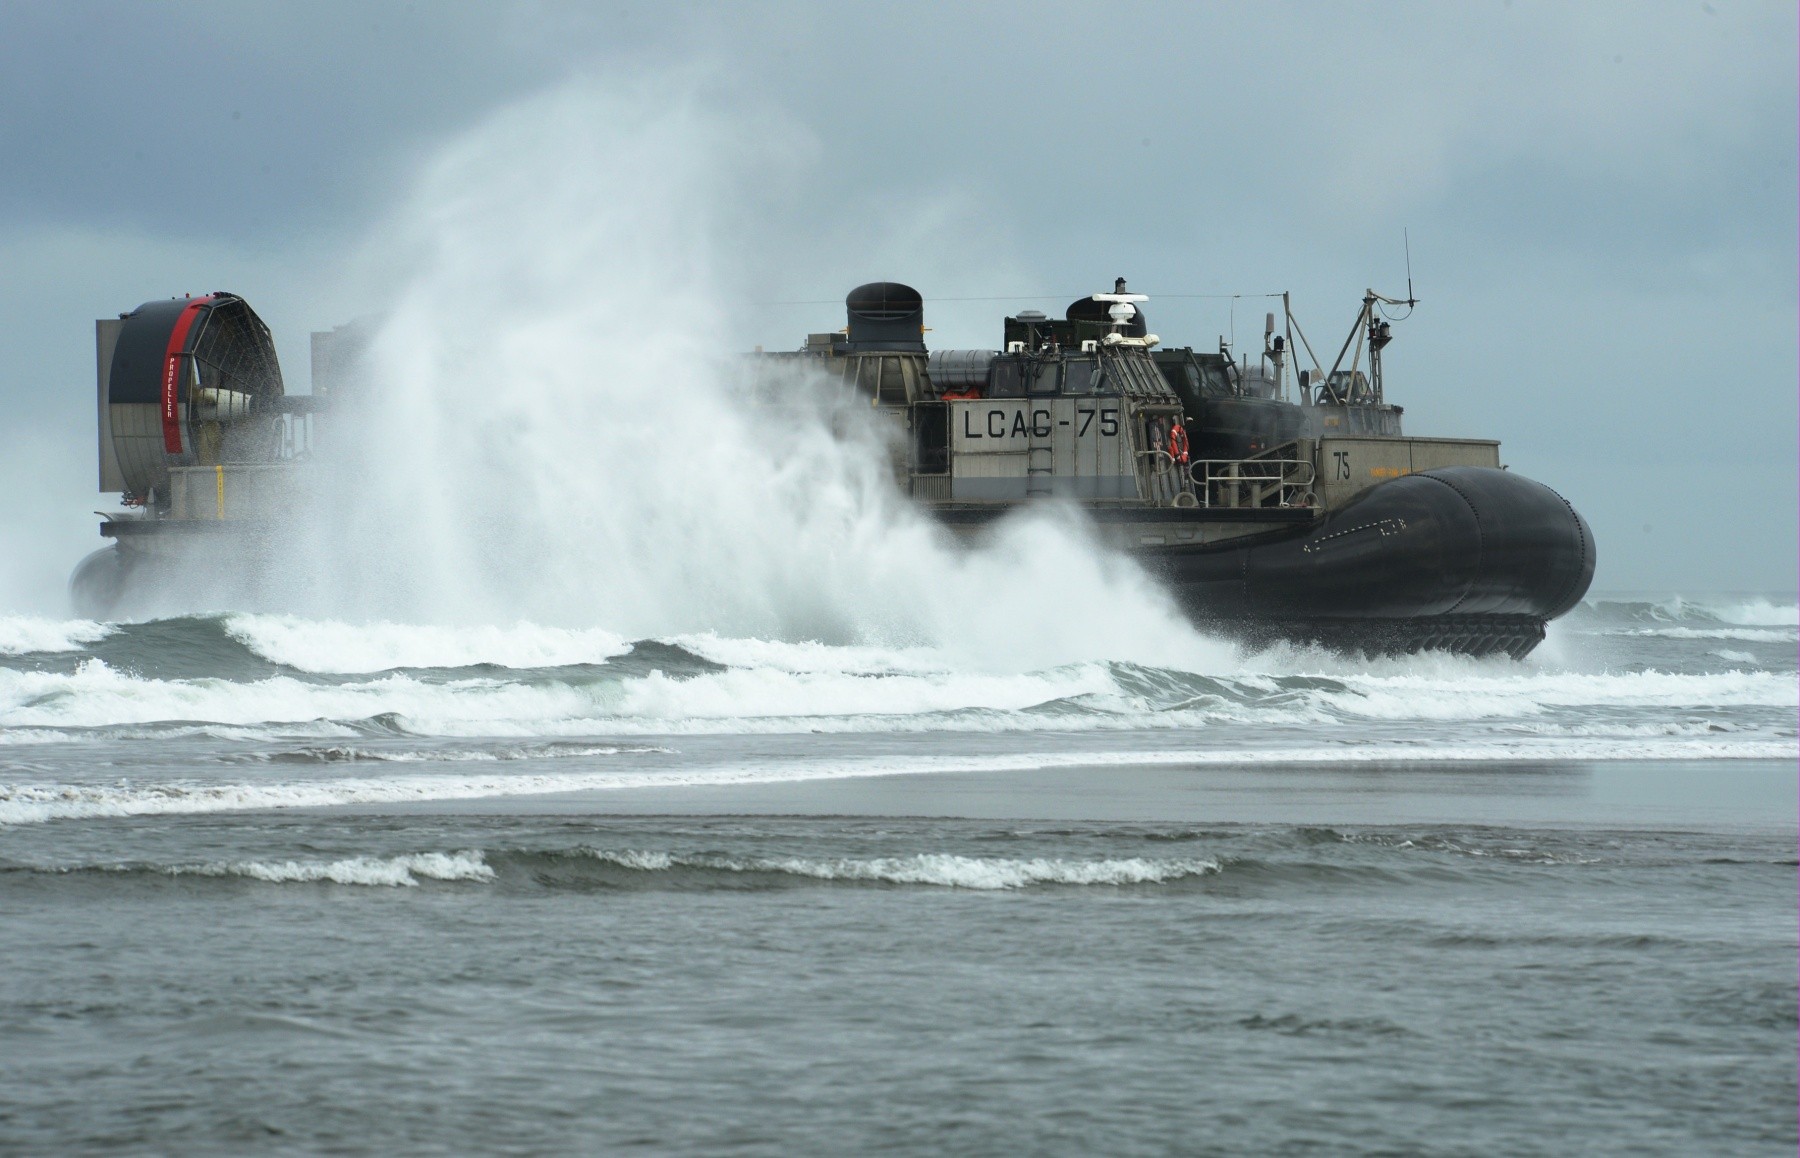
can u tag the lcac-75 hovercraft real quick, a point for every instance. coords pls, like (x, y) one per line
(1314, 519)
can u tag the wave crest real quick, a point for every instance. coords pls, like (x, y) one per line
(392, 872)
(330, 646)
(945, 870)
(30, 635)
(1752, 611)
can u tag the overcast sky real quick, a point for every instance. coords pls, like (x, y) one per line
(1601, 201)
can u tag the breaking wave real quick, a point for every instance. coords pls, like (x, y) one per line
(937, 869)
(311, 645)
(349, 754)
(233, 712)
(945, 870)
(1681, 614)
(790, 690)
(393, 872)
(773, 854)
(29, 634)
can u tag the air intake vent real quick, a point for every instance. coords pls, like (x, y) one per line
(885, 315)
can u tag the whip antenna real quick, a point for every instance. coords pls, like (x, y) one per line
(1406, 240)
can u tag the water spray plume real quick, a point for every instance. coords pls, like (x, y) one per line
(552, 431)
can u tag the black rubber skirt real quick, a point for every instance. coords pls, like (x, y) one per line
(1466, 559)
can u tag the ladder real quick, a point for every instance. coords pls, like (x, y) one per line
(1040, 451)
(1040, 460)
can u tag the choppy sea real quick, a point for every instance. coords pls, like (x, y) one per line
(271, 883)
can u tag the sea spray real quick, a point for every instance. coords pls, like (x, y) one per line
(551, 430)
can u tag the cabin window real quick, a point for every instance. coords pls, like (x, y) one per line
(1080, 376)
(1007, 381)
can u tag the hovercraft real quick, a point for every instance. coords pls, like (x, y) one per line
(1273, 505)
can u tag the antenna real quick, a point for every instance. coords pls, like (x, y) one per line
(1406, 239)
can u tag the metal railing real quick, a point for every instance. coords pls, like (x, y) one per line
(1253, 482)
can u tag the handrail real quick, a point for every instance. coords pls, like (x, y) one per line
(1251, 463)
(1237, 482)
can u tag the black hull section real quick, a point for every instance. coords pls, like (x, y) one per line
(98, 585)
(1465, 559)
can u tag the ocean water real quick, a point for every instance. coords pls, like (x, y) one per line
(275, 883)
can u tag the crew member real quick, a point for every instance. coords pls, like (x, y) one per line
(1178, 443)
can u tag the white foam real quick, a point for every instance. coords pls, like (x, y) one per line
(1759, 611)
(758, 700)
(637, 859)
(393, 872)
(351, 754)
(259, 733)
(28, 634)
(315, 645)
(1479, 696)
(1621, 730)
(33, 803)
(941, 869)
(10, 736)
(812, 656)
(95, 695)
(761, 692)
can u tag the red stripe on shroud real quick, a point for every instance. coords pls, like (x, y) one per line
(171, 417)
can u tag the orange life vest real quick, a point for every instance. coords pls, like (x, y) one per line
(1178, 443)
